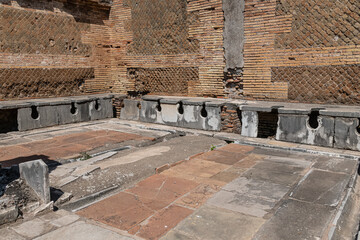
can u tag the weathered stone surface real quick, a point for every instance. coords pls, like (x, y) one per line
(250, 121)
(7, 234)
(169, 114)
(274, 172)
(217, 223)
(101, 109)
(65, 220)
(83, 231)
(80, 113)
(251, 197)
(213, 120)
(347, 135)
(149, 112)
(322, 188)
(46, 207)
(36, 175)
(131, 110)
(295, 128)
(33, 228)
(9, 215)
(297, 220)
(338, 165)
(234, 33)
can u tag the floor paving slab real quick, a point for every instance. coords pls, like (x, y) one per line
(197, 197)
(33, 228)
(83, 231)
(257, 188)
(236, 148)
(222, 157)
(197, 170)
(163, 221)
(122, 211)
(209, 223)
(7, 234)
(65, 220)
(176, 235)
(249, 161)
(297, 221)
(322, 187)
(340, 165)
(228, 175)
(161, 190)
(246, 204)
(279, 173)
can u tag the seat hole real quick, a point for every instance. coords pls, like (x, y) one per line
(158, 106)
(180, 108)
(313, 119)
(203, 112)
(34, 113)
(73, 109)
(97, 105)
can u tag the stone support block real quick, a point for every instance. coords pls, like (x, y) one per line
(101, 108)
(250, 121)
(296, 128)
(131, 110)
(347, 134)
(36, 175)
(149, 111)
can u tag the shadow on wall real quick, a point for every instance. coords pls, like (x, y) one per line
(94, 12)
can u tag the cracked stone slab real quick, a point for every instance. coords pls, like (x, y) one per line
(336, 164)
(85, 170)
(247, 204)
(65, 220)
(279, 173)
(83, 231)
(257, 188)
(210, 223)
(66, 180)
(296, 162)
(297, 221)
(33, 228)
(7, 234)
(322, 187)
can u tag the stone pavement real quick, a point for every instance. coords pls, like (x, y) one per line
(234, 192)
(61, 225)
(67, 141)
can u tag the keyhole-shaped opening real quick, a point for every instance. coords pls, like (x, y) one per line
(313, 119)
(358, 127)
(73, 109)
(158, 106)
(34, 112)
(203, 112)
(97, 105)
(180, 108)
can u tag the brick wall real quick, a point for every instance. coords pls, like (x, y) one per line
(231, 119)
(173, 47)
(305, 51)
(53, 48)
